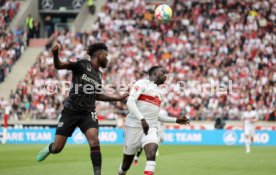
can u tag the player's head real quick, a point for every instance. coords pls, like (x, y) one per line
(98, 51)
(158, 74)
(249, 107)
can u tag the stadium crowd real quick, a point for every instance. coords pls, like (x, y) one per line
(8, 10)
(12, 41)
(230, 43)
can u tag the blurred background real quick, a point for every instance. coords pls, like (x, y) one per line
(210, 40)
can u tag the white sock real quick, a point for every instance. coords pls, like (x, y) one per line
(120, 171)
(150, 168)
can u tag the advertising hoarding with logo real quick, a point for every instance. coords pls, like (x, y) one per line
(173, 136)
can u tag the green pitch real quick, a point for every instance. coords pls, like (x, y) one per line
(173, 160)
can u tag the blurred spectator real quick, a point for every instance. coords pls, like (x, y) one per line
(8, 10)
(91, 6)
(36, 29)
(30, 27)
(49, 26)
(272, 116)
(11, 47)
(219, 123)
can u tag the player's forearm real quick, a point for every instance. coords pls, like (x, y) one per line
(107, 98)
(57, 62)
(132, 107)
(61, 65)
(166, 119)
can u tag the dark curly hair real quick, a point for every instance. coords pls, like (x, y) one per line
(153, 69)
(95, 47)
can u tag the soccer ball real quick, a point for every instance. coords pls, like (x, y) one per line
(163, 13)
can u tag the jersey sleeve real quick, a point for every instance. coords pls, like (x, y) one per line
(137, 89)
(76, 66)
(135, 92)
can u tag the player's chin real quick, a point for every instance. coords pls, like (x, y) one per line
(104, 65)
(162, 81)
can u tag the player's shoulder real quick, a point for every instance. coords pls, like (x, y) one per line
(83, 61)
(140, 84)
(142, 81)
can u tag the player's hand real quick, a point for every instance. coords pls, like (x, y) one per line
(56, 49)
(183, 121)
(124, 96)
(145, 126)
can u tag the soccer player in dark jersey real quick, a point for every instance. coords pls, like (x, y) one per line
(79, 107)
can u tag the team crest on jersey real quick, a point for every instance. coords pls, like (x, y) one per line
(89, 69)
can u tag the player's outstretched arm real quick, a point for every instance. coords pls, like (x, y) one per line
(108, 98)
(183, 121)
(167, 119)
(57, 63)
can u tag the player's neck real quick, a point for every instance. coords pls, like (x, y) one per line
(152, 79)
(95, 64)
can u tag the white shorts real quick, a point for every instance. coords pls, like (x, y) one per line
(249, 130)
(136, 139)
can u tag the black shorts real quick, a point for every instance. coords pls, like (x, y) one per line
(69, 121)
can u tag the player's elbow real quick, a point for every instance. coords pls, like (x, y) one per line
(57, 66)
(130, 102)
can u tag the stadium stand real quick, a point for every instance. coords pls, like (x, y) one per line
(13, 41)
(8, 10)
(228, 42)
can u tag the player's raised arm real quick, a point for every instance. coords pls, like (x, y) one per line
(109, 98)
(57, 63)
(103, 96)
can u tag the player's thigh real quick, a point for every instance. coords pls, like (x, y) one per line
(86, 122)
(66, 124)
(151, 137)
(132, 140)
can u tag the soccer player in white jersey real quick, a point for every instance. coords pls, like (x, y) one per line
(141, 123)
(161, 134)
(249, 119)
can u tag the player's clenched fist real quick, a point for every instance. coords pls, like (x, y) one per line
(145, 126)
(56, 49)
(183, 121)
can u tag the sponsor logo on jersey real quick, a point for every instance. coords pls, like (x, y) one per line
(90, 80)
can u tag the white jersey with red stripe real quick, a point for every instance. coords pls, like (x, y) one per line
(148, 99)
(249, 118)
